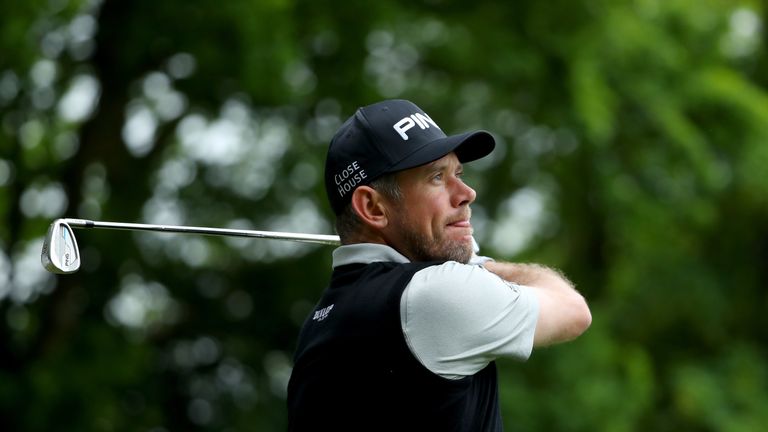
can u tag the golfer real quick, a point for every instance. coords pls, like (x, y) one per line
(406, 334)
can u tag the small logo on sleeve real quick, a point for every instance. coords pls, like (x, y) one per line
(322, 314)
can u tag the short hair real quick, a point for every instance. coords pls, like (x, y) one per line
(348, 222)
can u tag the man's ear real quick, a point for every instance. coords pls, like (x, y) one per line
(369, 206)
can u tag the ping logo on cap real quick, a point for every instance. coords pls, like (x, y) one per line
(412, 120)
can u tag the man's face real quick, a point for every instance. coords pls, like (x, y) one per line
(431, 221)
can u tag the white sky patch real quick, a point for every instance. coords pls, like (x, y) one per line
(243, 152)
(6, 172)
(5, 275)
(43, 73)
(175, 174)
(24, 277)
(181, 66)
(238, 150)
(194, 250)
(48, 201)
(223, 142)
(80, 99)
(253, 176)
(167, 209)
(304, 217)
(157, 104)
(323, 125)
(164, 210)
(140, 304)
(52, 44)
(522, 217)
(745, 33)
(139, 130)
(167, 103)
(389, 63)
(170, 105)
(31, 133)
(220, 142)
(82, 28)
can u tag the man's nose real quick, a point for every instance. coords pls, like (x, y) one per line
(463, 194)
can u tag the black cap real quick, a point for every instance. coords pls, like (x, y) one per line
(391, 136)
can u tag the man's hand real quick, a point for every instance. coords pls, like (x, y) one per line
(563, 312)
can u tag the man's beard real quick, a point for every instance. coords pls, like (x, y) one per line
(423, 248)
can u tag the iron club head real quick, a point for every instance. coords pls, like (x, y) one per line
(60, 253)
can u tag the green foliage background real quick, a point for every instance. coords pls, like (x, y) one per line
(632, 154)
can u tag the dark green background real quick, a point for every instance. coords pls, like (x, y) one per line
(632, 154)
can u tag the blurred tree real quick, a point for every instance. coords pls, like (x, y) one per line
(630, 149)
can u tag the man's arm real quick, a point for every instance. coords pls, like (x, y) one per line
(563, 312)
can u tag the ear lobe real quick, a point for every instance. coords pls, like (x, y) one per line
(369, 206)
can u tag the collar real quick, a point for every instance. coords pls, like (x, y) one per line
(366, 253)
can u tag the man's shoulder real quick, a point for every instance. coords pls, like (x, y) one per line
(453, 273)
(458, 317)
(452, 283)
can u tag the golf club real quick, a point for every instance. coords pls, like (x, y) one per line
(61, 255)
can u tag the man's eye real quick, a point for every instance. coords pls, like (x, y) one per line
(437, 177)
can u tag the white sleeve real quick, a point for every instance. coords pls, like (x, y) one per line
(456, 318)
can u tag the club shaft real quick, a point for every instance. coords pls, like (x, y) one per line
(299, 237)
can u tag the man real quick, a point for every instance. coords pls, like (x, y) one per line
(406, 335)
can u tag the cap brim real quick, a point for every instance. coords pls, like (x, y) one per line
(467, 146)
